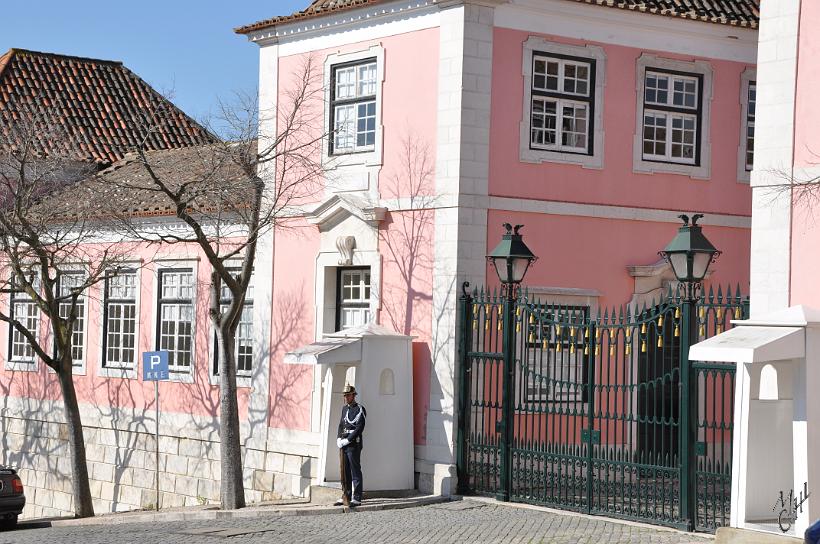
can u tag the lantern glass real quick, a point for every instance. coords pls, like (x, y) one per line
(519, 268)
(679, 262)
(501, 269)
(700, 264)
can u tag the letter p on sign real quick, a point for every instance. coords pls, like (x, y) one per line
(155, 365)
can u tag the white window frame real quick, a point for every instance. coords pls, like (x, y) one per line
(747, 79)
(22, 364)
(177, 373)
(363, 303)
(697, 169)
(539, 47)
(243, 378)
(121, 369)
(79, 366)
(370, 155)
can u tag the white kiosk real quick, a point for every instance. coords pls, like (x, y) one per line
(776, 420)
(379, 363)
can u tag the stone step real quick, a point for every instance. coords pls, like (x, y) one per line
(730, 535)
(329, 492)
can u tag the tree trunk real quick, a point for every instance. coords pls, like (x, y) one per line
(232, 490)
(83, 506)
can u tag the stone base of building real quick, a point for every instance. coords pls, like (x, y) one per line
(122, 465)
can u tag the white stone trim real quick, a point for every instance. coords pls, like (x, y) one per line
(612, 212)
(354, 171)
(591, 52)
(746, 78)
(350, 26)
(643, 31)
(639, 165)
(574, 296)
(162, 263)
(129, 371)
(770, 272)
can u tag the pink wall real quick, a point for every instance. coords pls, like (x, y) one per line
(199, 398)
(591, 253)
(292, 324)
(616, 184)
(406, 245)
(805, 228)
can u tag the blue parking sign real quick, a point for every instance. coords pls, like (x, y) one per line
(154, 365)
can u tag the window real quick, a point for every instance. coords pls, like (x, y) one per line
(353, 288)
(671, 117)
(748, 102)
(750, 125)
(67, 282)
(561, 104)
(353, 107)
(557, 340)
(120, 320)
(672, 133)
(24, 310)
(176, 317)
(243, 342)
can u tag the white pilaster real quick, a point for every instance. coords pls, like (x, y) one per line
(774, 146)
(465, 69)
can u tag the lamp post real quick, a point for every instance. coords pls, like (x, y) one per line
(689, 254)
(511, 259)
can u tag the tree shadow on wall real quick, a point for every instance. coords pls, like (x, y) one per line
(290, 329)
(38, 442)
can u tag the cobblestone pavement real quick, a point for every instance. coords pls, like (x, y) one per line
(461, 521)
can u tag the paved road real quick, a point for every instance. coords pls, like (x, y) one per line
(454, 522)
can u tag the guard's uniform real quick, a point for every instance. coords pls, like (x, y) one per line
(351, 427)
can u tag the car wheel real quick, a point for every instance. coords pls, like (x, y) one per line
(10, 522)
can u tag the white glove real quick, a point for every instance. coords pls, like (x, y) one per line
(344, 442)
(339, 443)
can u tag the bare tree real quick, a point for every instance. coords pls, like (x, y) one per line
(227, 195)
(51, 256)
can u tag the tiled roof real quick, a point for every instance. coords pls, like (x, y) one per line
(744, 13)
(104, 105)
(126, 188)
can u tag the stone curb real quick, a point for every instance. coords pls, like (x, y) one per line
(245, 513)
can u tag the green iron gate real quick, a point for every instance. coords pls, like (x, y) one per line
(601, 414)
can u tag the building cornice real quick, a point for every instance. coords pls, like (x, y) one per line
(343, 20)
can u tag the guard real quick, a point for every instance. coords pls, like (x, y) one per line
(349, 440)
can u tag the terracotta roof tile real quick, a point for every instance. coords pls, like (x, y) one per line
(125, 187)
(102, 103)
(745, 13)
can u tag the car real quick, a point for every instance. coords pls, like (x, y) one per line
(12, 497)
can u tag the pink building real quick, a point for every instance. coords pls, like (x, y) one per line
(594, 126)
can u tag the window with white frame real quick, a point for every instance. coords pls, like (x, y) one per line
(671, 117)
(674, 101)
(353, 107)
(353, 288)
(243, 341)
(23, 309)
(120, 319)
(67, 283)
(175, 308)
(563, 103)
(751, 97)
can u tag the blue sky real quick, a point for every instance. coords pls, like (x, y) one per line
(185, 46)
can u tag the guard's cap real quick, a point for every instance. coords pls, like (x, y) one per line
(349, 389)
